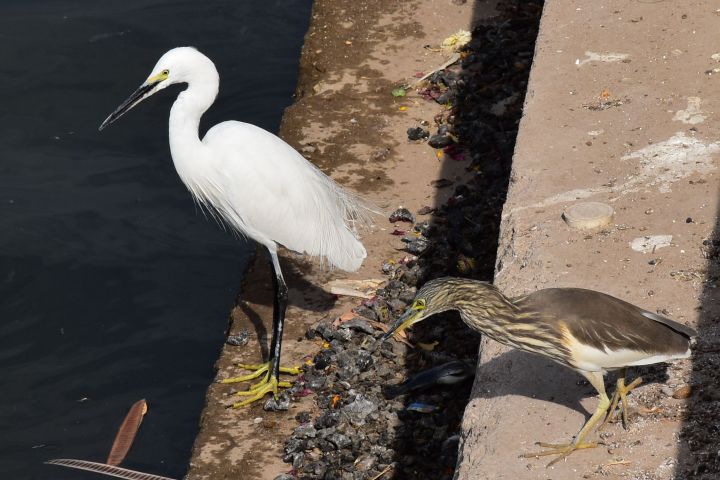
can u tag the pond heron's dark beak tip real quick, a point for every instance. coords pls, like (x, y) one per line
(399, 324)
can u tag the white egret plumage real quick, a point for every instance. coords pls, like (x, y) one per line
(257, 184)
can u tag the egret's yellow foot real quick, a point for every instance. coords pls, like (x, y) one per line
(268, 384)
(259, 370)
(620, 395)
(562, 450)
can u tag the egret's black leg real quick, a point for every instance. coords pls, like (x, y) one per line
(269, 372)
(279, 307)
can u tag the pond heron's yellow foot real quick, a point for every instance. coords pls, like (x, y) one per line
(259, 369)
(620, 396)
(562, 450)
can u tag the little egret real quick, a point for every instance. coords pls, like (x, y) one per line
(257, 184)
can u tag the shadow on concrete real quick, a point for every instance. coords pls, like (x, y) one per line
(564, 381)
(303, 293)
(257, 290)
(487, 97)
(699, 455)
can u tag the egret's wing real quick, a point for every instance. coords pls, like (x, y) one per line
(264, 188)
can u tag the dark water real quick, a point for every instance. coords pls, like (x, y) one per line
(113, 287)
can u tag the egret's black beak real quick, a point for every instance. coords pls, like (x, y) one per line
(411, 315)
(137, 96)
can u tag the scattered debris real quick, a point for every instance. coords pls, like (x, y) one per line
(605, 104)
(682, 392)
(500, 107)
(398, 92)
(692, 115)
(402, 214)
(651, 243)
(417, 133)
(450, 373)
(440, 141)
(126, 433)
(456, 41)
(587, 215)
(454, 58)
(602, 57)
(282, 403)
(239, 340)
(416, 246)
(353, 288)
(686, 275)
(441, 183)
(426, 210)
(422, 408)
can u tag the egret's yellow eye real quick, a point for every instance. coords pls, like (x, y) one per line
(165, 72)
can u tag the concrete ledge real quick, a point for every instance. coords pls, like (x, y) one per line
(620, 110)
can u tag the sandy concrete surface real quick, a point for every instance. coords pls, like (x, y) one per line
(621, 109)
(345, 121)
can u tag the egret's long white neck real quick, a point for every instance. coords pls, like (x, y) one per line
(185, 114)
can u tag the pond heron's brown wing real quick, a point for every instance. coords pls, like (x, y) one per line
(594, 320)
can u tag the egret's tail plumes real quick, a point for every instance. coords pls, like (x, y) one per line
(340, 215)
(358, 211)
(353, 253)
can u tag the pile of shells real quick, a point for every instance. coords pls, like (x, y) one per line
(370, 422)
(393, 409)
